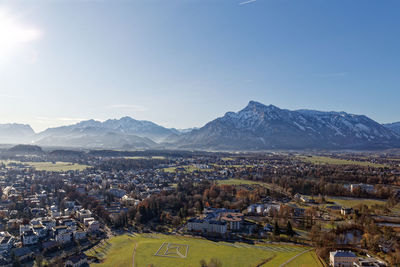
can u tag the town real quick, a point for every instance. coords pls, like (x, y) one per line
(58, 207)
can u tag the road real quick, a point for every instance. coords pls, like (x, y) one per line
(133, 255)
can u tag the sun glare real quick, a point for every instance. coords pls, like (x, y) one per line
(14, 33)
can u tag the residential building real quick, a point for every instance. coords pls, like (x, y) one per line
(342, 258)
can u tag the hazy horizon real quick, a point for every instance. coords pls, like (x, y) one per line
(182, 64)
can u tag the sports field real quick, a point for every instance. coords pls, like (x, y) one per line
(177, 251)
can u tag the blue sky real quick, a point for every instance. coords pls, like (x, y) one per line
(182, 63)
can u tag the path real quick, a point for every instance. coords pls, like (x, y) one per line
(133, 256)
(289, 260)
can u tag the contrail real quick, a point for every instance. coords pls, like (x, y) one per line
(247, 2)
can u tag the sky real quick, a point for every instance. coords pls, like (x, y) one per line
(182, 63)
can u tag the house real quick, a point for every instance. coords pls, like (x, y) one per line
(49, 245)
(63, 237)
(82, 214)
(70, 223)
(29, 238)
(119, 193)
(40, 230)
(78, 235)
(363, 187)
(93, 226)
(6, 242)
(342, 258)
(24, 228)
(23, 254)
(86, 221)
(77, 261)
(346, 211)
(60, 229)
(49, 223)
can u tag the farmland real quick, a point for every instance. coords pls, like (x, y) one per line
(239, 182)
(349, 202)
(335, 161)
(58, 166)
(118, 251)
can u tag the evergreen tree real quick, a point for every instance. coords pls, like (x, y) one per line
(277, 230)
(289, 229)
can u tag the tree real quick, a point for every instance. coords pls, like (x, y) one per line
(289, 229)
(277, 230)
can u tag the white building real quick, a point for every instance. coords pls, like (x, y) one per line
(207, 226)
(63, 237)
(39, 230)
(29, 238)
(86, 221)
(78, 235)
(82, 214)
(341, 258)
(6, 242)
(24, 228)
(94, 226)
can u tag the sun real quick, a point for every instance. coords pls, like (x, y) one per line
(14, 33)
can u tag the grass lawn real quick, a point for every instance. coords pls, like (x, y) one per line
(305, 260)
(187, 169)
(141, 157)
(234, 166)
(240, 182)
(57, 166)
(49, 166)
(349, 202)
(327, 160)
(119, 252)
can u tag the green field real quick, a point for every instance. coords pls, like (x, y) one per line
(57, 166)
(305, 260)
(349, 202)
(227, 159)
(240, 182)
(142, 157)
(333, 161)
(119, 252)
(187, 169)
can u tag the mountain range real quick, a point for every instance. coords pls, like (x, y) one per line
(256, 127)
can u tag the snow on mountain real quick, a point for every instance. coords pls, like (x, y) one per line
(258, 126)
(16, 133)
(395, 127)
(113, 133)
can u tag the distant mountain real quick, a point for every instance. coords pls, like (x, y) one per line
(395, 127)
(258, 127)
(125, 133)
(13, 133)
(125, 125)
